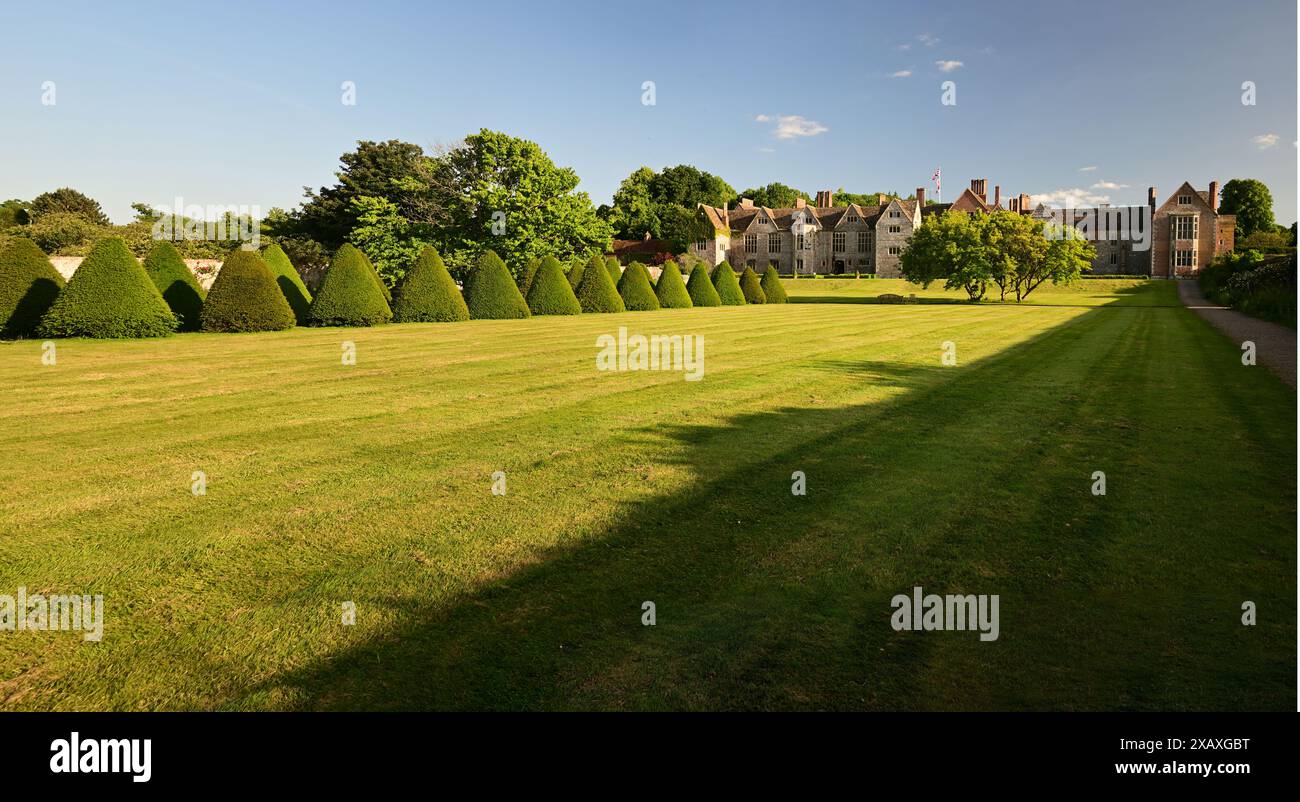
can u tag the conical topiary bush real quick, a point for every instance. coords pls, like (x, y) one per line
(550, 293)
(635, 290)
(615, 272)
(245, 297)
(724, 281)
(110, 295)
(427, 293)
(671, 290)
(290, 283)
(773, 289)
(700, 288)
(349, 294)
(526, 276)
(596, 292)
(177, 284)
(574, 272)
(492, 293)
(28, 285)
(751, 288)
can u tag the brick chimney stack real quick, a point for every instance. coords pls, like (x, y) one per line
(997, 195)
(1214, 195)
(1151, 197)
(980, 186)
(882, 198)
(1024, 203)
(1013, 204)
(920, 197)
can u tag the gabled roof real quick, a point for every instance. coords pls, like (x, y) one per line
(1199, 199)
(968, 201)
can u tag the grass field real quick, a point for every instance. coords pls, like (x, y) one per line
(372, 483)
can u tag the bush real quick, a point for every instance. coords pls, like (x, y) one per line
(615, 272)
(109, 296)
(700, 288)
(750, 287)
(349, 294)
(529, 273)
(290, 283)
(596, 292)
(671, 290)
(177, 284)
(724, 281)
(635, 289)
(491, 293)
(59, 232)
(773, 289)
(550, 293)
(427, 293)
(575, 273)
(28, 285)
(245, 297)
(890, 298)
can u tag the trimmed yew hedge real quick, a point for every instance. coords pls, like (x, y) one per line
(28, 286)
(491, 293)
(289, 282)
(349, 294)
(177, 284)
(635, 290)
(109, 296)
(701, 289)
(724, 281)
(550, 293)
(574, 273)
(615, 272)
(245, 297)
(596, 293)
(751, 288)
(526, 276)
(773, 289)
(428, 294)
(671, 290)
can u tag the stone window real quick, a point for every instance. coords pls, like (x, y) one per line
(864, 241)
(1184, 200)
(1114, 258)
(799, 242)
(895, 213)
(852, 218)
(701, 244)
(773, 243)
(837, 242)
(894, 250)
(762, 220)
(895, 229)
(751, 243)
(799, 265)
(1183, 258)
(1184, 227)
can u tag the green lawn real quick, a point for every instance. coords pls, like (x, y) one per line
(1088, 292)
(372, 483)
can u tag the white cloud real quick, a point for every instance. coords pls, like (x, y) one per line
(1088, 169)
(1109, 185)
(790, 126)
(766, 150)
(948, 66)
(902, 74)
(1266, 141)
(1069, 198)
(927, 40)
(904, 47)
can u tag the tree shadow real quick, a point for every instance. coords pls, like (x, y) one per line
(29, 310)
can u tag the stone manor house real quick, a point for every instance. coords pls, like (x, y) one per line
(1177, 238)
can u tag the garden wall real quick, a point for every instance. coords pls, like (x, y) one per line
(205, 270)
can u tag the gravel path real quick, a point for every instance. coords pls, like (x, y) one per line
(1274, 344)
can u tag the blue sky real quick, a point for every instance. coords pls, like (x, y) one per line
(240, 103)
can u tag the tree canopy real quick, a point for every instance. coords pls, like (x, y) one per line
(1251, 202)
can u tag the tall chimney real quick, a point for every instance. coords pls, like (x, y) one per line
(979, 186)
(882, 198)
(800, 203)
(920, 197)
(1024, 203)
(830, 198)
(1151, 197)
(1214, 195)
(1013, 204)
(997, 195)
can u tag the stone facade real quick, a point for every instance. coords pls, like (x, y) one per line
(1189, 231)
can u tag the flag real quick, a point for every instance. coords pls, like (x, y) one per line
(935, 179)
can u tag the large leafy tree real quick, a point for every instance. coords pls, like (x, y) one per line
(664, 203)
(392, 242)
(775, 195)
(13, 213)
(67, 201)
(387, 170)
(952, 249)
(1251, 202)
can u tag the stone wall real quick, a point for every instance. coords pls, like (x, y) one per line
(205, 270)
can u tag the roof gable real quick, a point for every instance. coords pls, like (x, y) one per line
(1198, 200)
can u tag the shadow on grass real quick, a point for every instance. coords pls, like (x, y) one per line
(1126, 298)
(764, 599)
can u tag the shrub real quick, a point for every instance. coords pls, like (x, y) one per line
(349, 294)
(724, 281)
(492, 293)
(773, 289)
(374, 274)
(596, 292)
(635, 290)
(550, 293)
(529, 273)
(700, 288)
(110, 295)
(575, 273)
(245, 297)
(890, 298)
(615, 272)
(671, 290)
(290, 283)
(177, 284)
(28, 285)
(427, 293)
(750, 287)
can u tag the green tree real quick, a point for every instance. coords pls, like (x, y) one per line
(671, 289)
(389, 240)
(775, 196)
(492, 293)
(290, 283)
(68, 201)
(28, 286)
(1251, 202)
(13, 213)
(728, 287)
(951, 249)
(635, 289)
(773, 289)
(245, 297)
(349, 294)
(391, 170)
(596, 293)
(427, 293)
(1068, 255)
(176, 282)
(109, 296)
(550, 293)
(700, 287)
(751, 287)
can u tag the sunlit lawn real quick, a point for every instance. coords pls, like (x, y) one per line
(372, 484)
